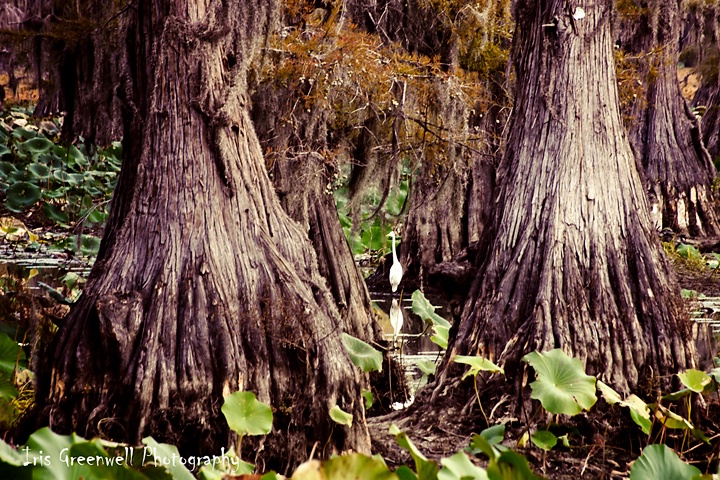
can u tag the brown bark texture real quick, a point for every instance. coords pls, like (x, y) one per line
(204, 285)
(303, 179)
(665, 134)
(572, 259)
(702, 42)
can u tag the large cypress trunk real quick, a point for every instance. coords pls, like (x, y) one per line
(678, 171)
(572, 259)
(204, 285)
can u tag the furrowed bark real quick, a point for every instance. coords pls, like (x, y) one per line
(573, 261)
(678, 172)
(204, 285)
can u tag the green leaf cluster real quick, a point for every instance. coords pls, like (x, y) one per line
(62, 183)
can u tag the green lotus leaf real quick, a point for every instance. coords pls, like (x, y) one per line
(511, 465)
(459, 467)
(658, 462)
(10, 456)
(368, 398)
(69, 178)
(544, 439)
(362, 354)
(21, 196)
(39, 170)
(35, 146)
(89, 245)
(8, 391)
(6, 169)
(165, 453)
(477, 364)
(353, 466)
(428, 367)
(11, 355)
(695, 380)
(426, 469)
(22, 133)
(76, 157)
(21, 176)
(561, 385)
(440, 335)
(422, 307)
(246, 415)
(54, 213)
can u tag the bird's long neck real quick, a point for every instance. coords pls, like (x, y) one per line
(395, 259)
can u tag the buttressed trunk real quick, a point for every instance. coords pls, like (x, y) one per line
(204, 285)
(572, 260)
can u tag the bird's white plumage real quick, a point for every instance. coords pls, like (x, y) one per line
(396, 271)
(396, 318)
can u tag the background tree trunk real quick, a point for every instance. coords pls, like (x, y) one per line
(573, 261)
(303, 179)
(664, 133)
(701, 50)
(204, 285)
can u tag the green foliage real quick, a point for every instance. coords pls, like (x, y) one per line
(12, 362)
(232, 465)
(510, 466)
(489, 442)
(246, 415)
(354, 466)
(61, 183)
(340, 416)
(690, 256)
(459, 467)
(639, 410)
(367, 225)
(658, 462)
(422, 307)
(695, 380)
(544, 439)
(426, 469)
(368, 399)
(362, 354)
(477, 364)
(561, 385)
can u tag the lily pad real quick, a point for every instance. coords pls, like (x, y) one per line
(561, 385)
(459, 467)
(21, 196)
(69, 178)
(6, 168)
(695, 380)
(658, 462)
(544, 439)
(39, 170)
(35, 146)
(246, 415)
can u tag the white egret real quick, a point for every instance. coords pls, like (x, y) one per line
(396, 319)
(396, 271)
